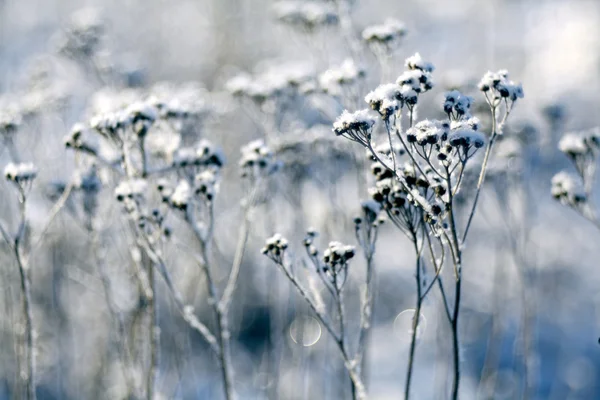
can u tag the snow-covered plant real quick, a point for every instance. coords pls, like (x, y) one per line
(417, 190)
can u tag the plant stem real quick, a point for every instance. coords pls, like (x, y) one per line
(154, 336)
(416, 318)
(339, 299)
(454, 243)
(486, 158)
(116, 316)
(29, 375)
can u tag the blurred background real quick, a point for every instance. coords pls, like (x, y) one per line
(531, 264)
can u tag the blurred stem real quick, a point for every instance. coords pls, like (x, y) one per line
(28, 376)
(349, 363)
(116, 316)
(154, 338)
(367, 306)
(486, 157)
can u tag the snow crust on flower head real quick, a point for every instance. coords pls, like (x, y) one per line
(458, 102)
(572, 143)
(338, 253)
(309, 14)
(181, 195)
(257, 160)
(361, 119)
(390, 31)
(20, 172)
(275, 246)
(416, 62)
(578, 143)
(180, 100)
(499, 83)
(272, 81)
(567, 187)
(333, 79)
(131, 188)
(371, 207)
(10, 120)
(465, 132)
(386, 98)
(429, 131)
(417, 78)
(206, 183)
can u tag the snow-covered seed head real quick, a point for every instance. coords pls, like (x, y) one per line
(206, 184)
(576, 144)
(130, 189)
(356, 126)
(20, 173)
(464, 134)
(181, 196)
(387, 34)
(335, 79)
(386, 99)
(427, 132)
(203, 154)
(275, 247)
(500, 86)
(308, 15)
(568, 189)
(458, 103)
(371, 210)
(338, 254)
(257, 160)
(466, 138)
(416, 62)
(9, 122)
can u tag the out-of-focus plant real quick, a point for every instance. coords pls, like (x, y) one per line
(575, 190)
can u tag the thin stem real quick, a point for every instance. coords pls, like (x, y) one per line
(482, 173)
(29, 375)
(458, 276)
(416, 317)
(343, 343)
(116, 316)
(154, 336)
(60, 203)
(28, 342)
(185, 310)
(366, 309)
